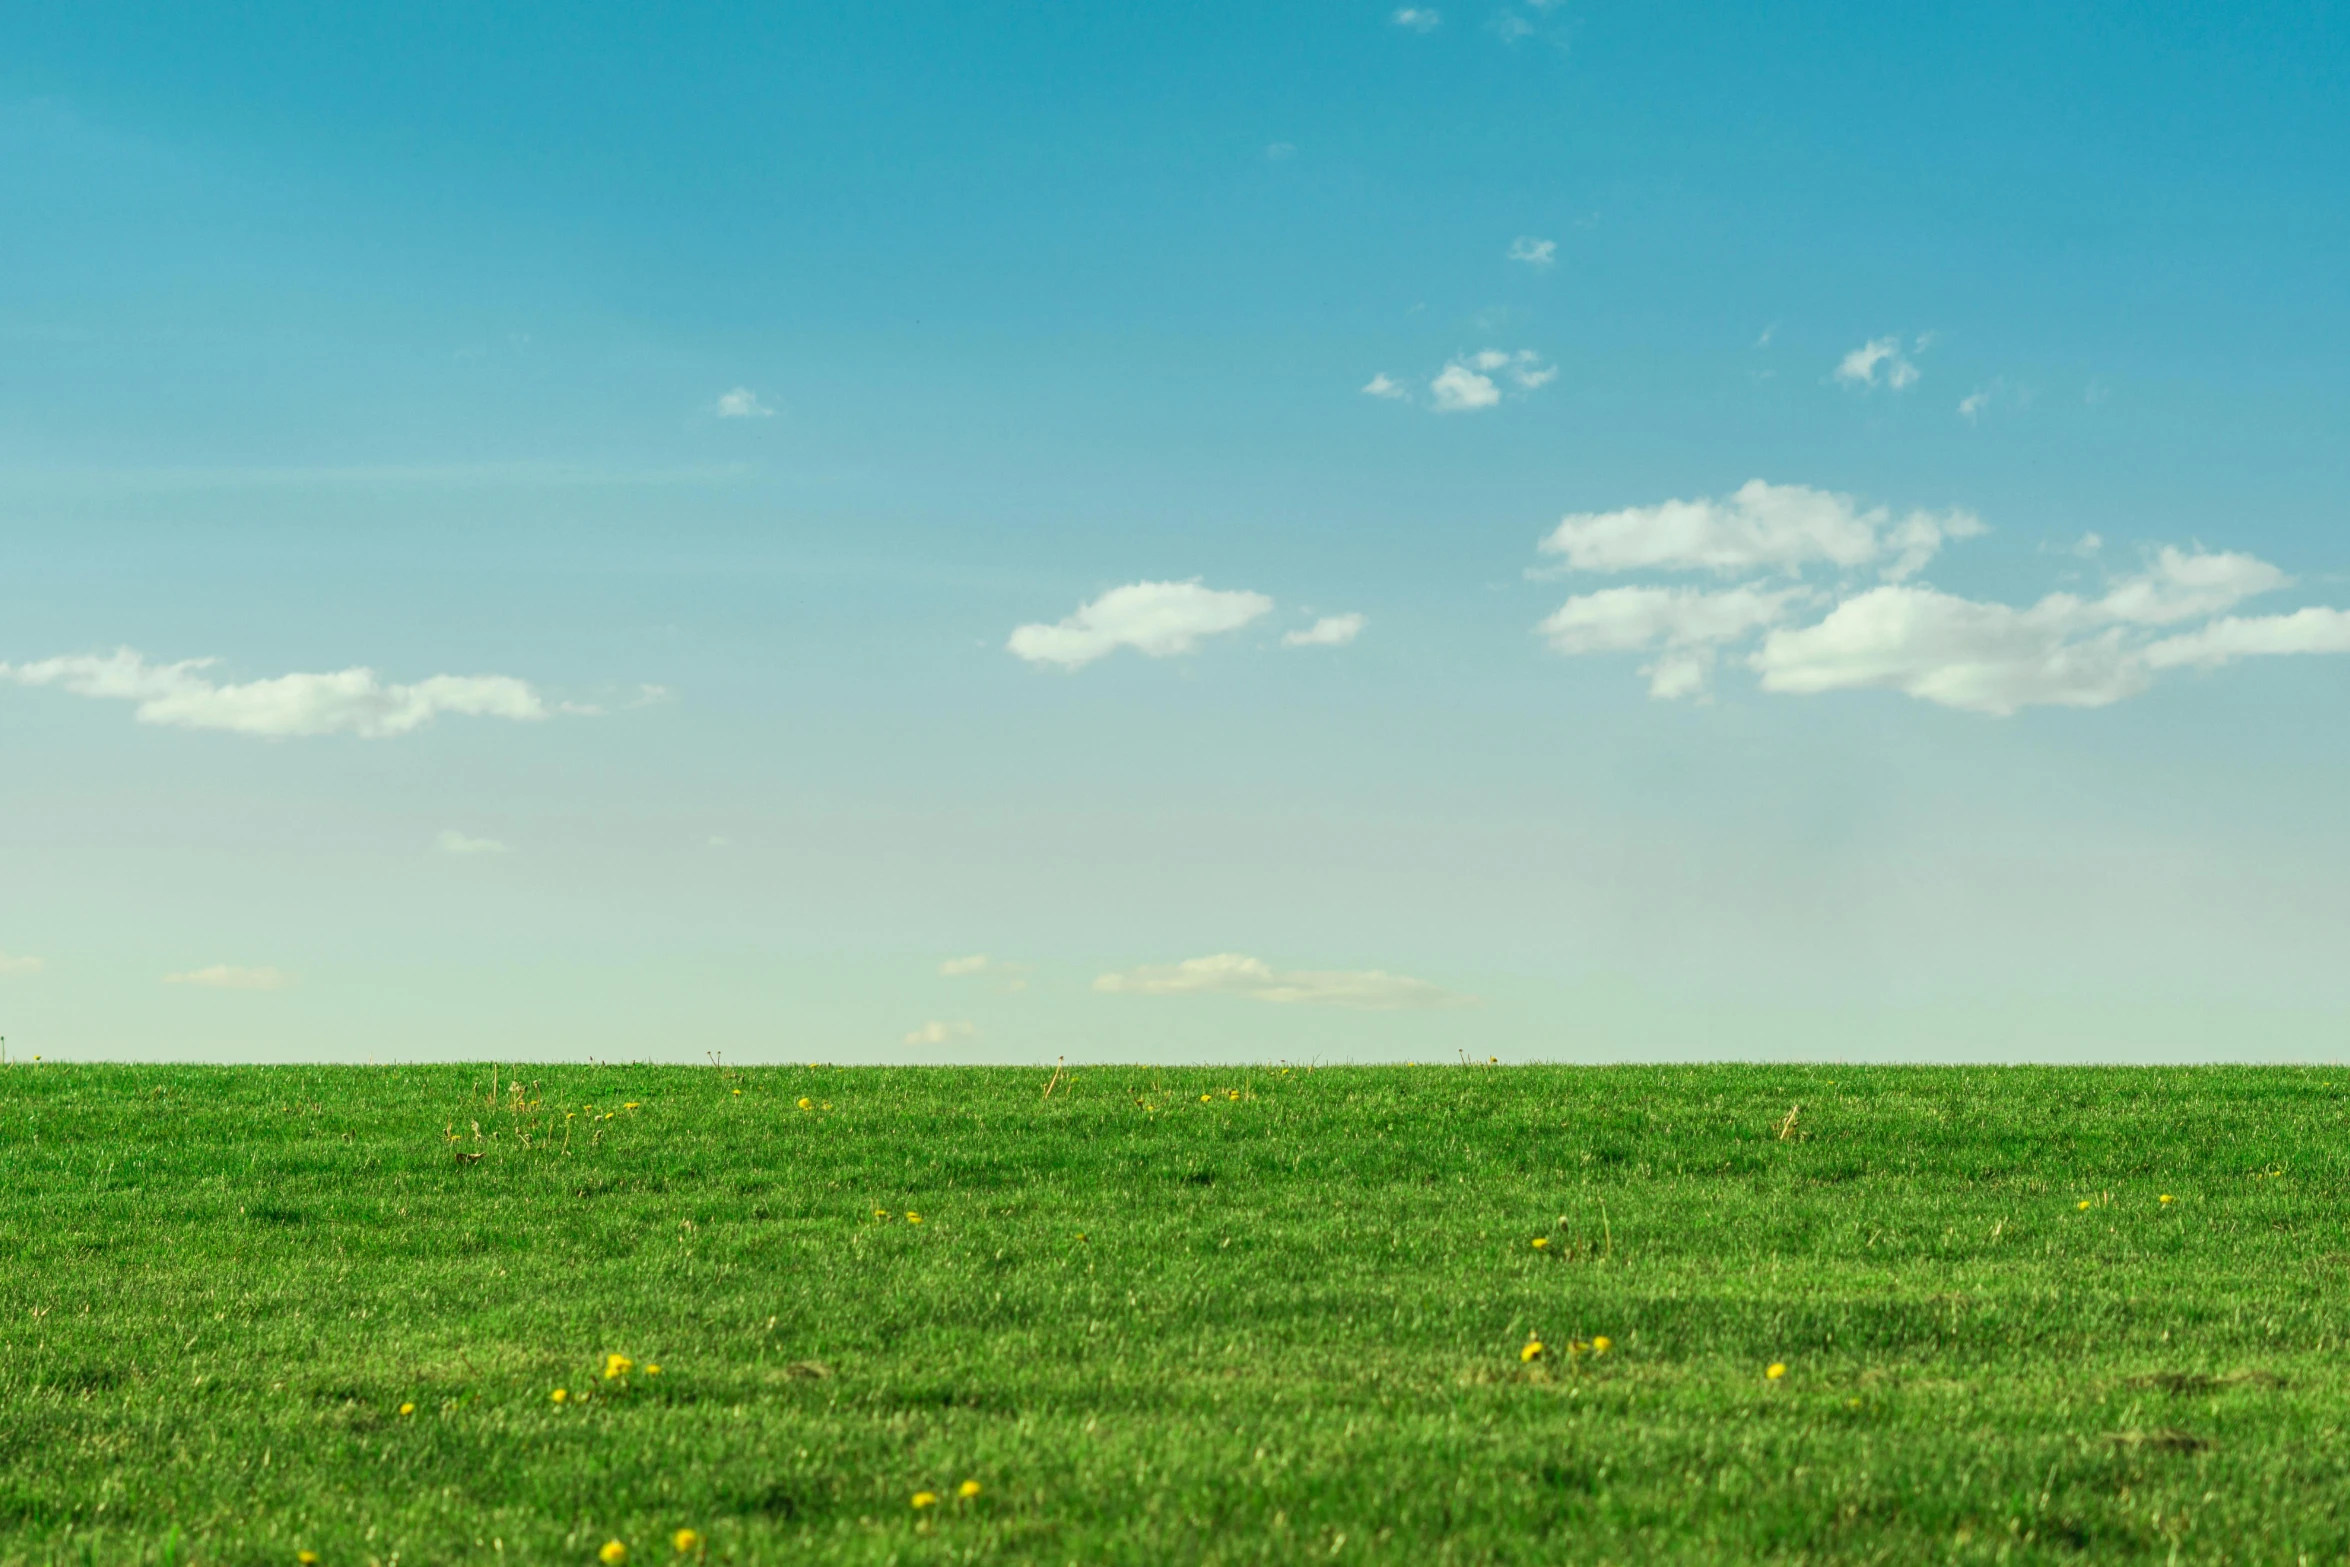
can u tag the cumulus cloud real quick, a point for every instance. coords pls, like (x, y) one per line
(454, 842)
(1329, 631)
(1419, 18)
(2313, 630)
(17, 965)
(1759, 527)
(2064, 651)
(223, 976)
(935, 1032)
(742, 403)
(1880, 362)
(1231, 974)
(1475, 381)
(1536, 253)
(1384, 385)
(954, 968)
(1971, 406)
(1684, 624)
(1156, 619)
(350, 701)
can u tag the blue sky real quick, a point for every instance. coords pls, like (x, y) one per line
(708, 521)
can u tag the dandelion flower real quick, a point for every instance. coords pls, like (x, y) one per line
(407, 1409)
(685, 1540)
(1602, 1344)
(912, 1217)
(807, 1103)
(924, 1499)
(613, 1553)
(1775, 1370)
(307, 1558)
(1532, 1351)
(2083, 1205)
(652, 1370)
(738, 1093)
(559, 1395)
(2166, 1197)
(617, 1366)
(967, 1490)
(881, 1213)
(1541, 1242)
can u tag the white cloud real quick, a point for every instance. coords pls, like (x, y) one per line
(1761, 526)
(2313, 630)
(935, 1032)
(14, 965)
(454, 842)
(1536, 253)
(1861, 367)
(222, 976)
(1156, 619)
(1459, 389)
(1683, 622)
(1971, 406)
(743, 403)
(955, 967)
(350, 701)
(1329, 631)
(1230, 974)
(1467, 383)
(1383, 385)
(1419, 18)
(2063, 651)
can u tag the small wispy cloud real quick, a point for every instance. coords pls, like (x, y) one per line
(1329, 631)
(454, 842)
(348, 701)
(1419, 18)
(1971, 406)
(1475, 381)
(1280, 151)
(955, 968)
(1384, 385)
(936, 1032)
(17, 965)
(1880, 362)
(1536, 253)
(1233, 974)
(1156, 619)
(225, 976)
(742, 403)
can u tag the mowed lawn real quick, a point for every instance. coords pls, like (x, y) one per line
(1173, 1316)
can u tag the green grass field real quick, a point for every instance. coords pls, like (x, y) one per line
(1174, 1316)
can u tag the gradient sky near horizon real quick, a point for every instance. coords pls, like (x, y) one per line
(1326, 532)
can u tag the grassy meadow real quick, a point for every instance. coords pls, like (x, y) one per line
(1173, 1316)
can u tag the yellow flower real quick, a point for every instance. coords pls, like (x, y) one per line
(307, 1558)
(613, 1553)
(738, 1093)
(1204, 1098)
(912, 1217)
(924, 1499)
(407, 1409)
(881, 1213)
(1775, 1370)
(1532, 1351)
(617, 1366)
(1602, 1344)
(2083, 1205)
(685, 1540)
(967, 1490)
(2166, 1197)
(1541, 1242)
(807, 1104)
(631, 1105)
(653, 1370)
